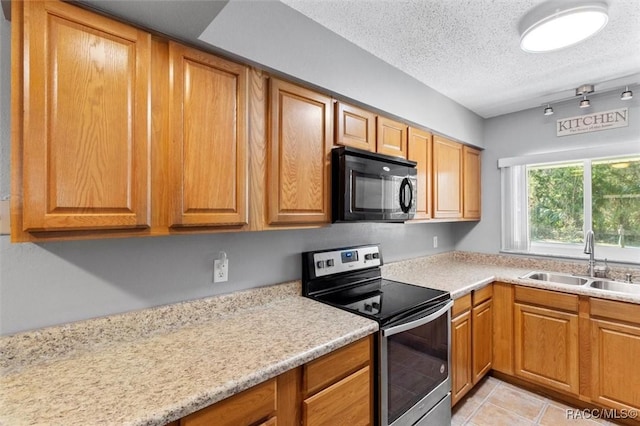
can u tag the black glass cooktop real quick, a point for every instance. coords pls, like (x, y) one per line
(385, 300)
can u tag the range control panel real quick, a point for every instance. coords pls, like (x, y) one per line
(343, 260)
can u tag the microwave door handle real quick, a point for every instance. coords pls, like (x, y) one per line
(417, 323)
(403, 186)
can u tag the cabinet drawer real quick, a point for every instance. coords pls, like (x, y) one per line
(551, 299)
(482, 294)
(621, 311)
(261, 400)
(460, 305)
(332, 367)
(347, 402)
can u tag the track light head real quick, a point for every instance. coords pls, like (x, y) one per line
(548, 110)
(585, 103)
(627, 94)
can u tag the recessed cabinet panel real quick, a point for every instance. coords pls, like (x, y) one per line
(391, 137)
(208, 119)
(299, 154)
(447, 178)
(355, 127)
(419, 150)
(461, 378)
(472, 178)
(86, 138)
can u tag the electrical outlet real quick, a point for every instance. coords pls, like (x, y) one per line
(435, 242)
(221, 269)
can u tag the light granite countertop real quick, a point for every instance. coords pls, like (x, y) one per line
(154, 366)
(186, 365)
(461, 272)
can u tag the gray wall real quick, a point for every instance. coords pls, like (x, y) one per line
(530, 132)
(274, 35)
(53, 283)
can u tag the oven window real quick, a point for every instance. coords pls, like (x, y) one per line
(417, 364)
(375, 193)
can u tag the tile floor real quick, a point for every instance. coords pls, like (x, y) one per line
(496, 403)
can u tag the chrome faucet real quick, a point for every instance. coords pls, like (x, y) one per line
(589, 248)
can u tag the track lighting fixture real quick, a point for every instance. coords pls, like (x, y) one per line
(585, 90)
(585, 103)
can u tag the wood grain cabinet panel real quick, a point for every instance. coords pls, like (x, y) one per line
(208, 124)
(615, 347)
(419, 150)
(299, 149)
(461, 375)
(355, 127)
(391, 137)
(85, 126)
(482, 339)
(546, 347)
(253, 406)
(447, 178)
(347, 402)
(471, 199)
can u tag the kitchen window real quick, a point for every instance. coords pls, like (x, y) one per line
(548, 205)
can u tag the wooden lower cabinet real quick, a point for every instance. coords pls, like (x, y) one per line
(335, 389)
(471, 341)
(546, 338)
(461, 378)
(615, 351)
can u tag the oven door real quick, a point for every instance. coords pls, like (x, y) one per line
(414, 366)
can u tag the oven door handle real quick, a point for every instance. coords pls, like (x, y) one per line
(417, 323)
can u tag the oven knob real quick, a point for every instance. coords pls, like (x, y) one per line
(368, 307)
(320, 264)
(367, 257)
(376, 305)
(329, 262)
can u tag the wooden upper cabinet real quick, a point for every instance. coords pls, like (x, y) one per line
(355, 127)
(419, 150)
(208, 127)
(471, 183)
(85, 126)
(391, 137)
(447, 178)
(299, 149)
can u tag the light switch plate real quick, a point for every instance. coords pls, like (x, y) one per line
(5, 225)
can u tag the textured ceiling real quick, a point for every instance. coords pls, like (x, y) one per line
(469, 50)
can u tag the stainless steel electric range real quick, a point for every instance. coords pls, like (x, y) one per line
(413, 384)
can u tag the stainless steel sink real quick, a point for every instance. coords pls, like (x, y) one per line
(556, 278)
(616, 286)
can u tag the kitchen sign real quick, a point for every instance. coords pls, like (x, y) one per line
(593, 122)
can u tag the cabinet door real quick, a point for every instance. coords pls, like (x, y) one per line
(355, 127)
(86, 133)
(419, 150)
(244, 409)
(299, 151)
(391, 137)
(471, 183)
(447, 178)
(546, 347)
(482, 341)
(461, 374)
(615, 348)
(208, 120)
(346, 402)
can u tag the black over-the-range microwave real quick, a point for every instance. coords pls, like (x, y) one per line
(372, 187)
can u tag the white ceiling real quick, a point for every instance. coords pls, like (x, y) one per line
(469, 50)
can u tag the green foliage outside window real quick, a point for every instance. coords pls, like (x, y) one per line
(556, 211)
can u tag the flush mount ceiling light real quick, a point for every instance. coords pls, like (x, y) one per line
(548, 110)
(558, 24)
(627, 94)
